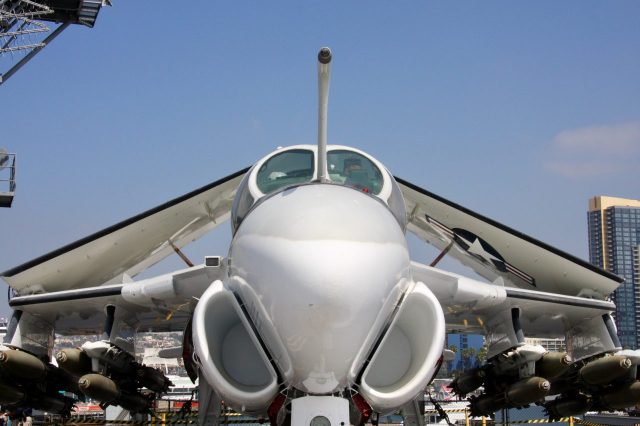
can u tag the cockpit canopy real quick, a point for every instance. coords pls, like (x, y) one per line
(296, 165)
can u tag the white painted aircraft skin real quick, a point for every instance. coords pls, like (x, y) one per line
(320, 267)
(323, 260)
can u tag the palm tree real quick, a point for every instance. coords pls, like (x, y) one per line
(467, 355)
(482, 355)
(450, 368)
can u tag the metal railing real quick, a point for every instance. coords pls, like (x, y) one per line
(7, 172)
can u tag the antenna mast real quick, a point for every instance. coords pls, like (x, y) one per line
(324, 75)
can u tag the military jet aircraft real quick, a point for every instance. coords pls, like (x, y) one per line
(317, 315)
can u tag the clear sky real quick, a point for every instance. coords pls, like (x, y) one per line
(520, 111)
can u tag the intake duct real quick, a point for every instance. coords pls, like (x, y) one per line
(408, 353)
(230, 354)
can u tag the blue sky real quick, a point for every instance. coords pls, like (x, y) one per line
(520, 111)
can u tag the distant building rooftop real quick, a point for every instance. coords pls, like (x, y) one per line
(603, 202)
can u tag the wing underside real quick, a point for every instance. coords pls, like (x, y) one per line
(158, 304)
(506, 315)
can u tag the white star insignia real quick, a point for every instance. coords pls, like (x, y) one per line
(477, 249)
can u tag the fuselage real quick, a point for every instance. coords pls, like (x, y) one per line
(328, 263)
(327, 260)
(319, 269)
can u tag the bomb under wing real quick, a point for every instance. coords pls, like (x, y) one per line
(605, 370)
(21, 364)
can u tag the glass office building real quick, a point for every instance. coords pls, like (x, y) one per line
(614, 245)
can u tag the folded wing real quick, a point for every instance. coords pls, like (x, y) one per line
(496, 251)
(129, 247)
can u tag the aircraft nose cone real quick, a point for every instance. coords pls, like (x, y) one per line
(324, 261)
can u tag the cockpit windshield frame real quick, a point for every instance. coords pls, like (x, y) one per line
(346, 166)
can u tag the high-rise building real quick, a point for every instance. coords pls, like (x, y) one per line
(614, 245)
